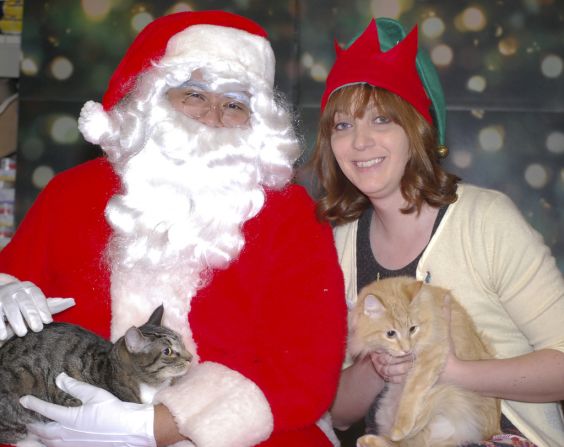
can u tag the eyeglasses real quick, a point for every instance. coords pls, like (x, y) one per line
(231, 107)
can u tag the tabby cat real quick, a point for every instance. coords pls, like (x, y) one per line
(401, 316)
(134, 368)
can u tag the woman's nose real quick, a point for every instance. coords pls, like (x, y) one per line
(362, 137)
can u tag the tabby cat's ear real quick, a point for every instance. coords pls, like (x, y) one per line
(372, 306)
(156, 317)
(134, 340)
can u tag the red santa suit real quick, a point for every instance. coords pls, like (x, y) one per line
(275, 316)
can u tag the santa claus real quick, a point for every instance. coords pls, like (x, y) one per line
(193, 207)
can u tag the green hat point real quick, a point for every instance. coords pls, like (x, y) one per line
(390, 32)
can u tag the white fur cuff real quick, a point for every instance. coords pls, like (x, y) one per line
(216, 406)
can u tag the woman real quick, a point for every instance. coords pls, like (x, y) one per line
(397, 212)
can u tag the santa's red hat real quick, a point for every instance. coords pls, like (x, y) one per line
(196, 37)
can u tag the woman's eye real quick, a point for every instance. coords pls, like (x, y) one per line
(381, 119)
(341, 126)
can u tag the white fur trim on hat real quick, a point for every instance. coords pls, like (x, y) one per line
(93, 122)
(237, 51)
(215, 406)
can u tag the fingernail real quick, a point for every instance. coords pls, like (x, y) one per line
(23, 401)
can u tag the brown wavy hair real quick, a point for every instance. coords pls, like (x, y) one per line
(424, 179)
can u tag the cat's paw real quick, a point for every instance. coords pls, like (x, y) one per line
(402, 428)
(372, 441)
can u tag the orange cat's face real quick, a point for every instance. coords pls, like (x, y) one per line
(383, 318)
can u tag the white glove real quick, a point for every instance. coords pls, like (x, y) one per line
(23, 305)
(101, 420)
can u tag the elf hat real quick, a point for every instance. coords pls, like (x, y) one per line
(384, 56)
(207, 38)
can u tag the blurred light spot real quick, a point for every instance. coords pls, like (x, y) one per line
(498, 31)
(442, 55)
(96, 10)
(307, 60)
(432, 27)
(386, 8)
(476, 84)
(473, 19)
(555, 142)
(29, 67)
(32, 148)
(508, 46)
(318, 72)
(491, 138)
(61, 68)
(478, 113)
(180, 7)
(41, 176)
(536, 176)
(551, 66)
(141, 20)
(462, 159)
(64, 130)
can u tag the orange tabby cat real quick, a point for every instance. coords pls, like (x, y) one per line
(402, 315)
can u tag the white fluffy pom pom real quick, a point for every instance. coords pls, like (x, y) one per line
(93, 122)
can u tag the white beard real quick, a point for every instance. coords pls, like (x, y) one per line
(186, 195)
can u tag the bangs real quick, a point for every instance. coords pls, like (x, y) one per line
(354, 99)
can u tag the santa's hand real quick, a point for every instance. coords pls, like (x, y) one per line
(101, 420)
(23, 305)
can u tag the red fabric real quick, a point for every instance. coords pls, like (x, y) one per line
(150, 45)
(277, 314)
(394, 70)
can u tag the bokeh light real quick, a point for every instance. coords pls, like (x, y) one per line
(319, 72)
(471, 19)
(29, 67)
(307, 60)
(551, 66)
(508, 46)
(476, 83)
(41, 176)
(536, 175)
(491, 138)
(141, 20)
(555, 142)
(96, 10)
(386, 8)
(64, 130)
(442, 55)
(180, 7)
(61, 68)
(432, 27)
(462, 158)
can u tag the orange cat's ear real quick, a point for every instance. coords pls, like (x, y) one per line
(373, 308)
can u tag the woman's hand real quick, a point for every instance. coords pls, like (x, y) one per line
(392, 369)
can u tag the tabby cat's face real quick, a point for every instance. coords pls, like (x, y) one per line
(157, 351)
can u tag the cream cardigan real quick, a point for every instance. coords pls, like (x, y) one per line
(501, 271)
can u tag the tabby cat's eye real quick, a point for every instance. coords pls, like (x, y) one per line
(167, 351)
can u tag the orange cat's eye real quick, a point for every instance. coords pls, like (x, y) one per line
(390, 334)
(412, 329)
